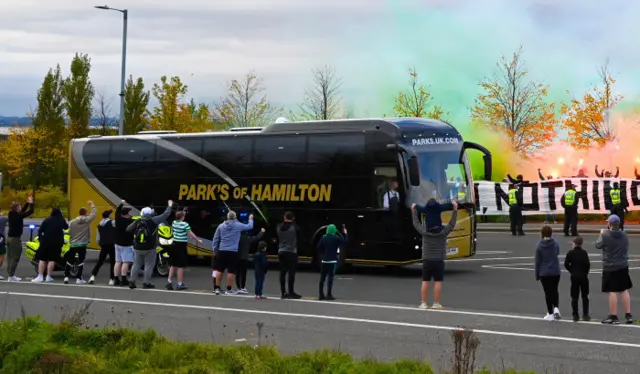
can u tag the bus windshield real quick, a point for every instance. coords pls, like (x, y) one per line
(442, 176)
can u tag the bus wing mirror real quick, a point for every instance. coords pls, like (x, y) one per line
(414, 171)
(488, 162)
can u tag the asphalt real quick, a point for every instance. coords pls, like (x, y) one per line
(587, 227)
(375, 315)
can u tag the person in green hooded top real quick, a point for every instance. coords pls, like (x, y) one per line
(329, 249)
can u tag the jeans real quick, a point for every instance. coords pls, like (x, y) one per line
(106, 250)
(326, 273)
(70, 260)
(260, 276)
(241, 273)
(551, 217)
(288, 265)
(14, 252)
(148, 258)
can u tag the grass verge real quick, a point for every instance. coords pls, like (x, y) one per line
(32, 345)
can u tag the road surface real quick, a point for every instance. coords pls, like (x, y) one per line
(375, 315)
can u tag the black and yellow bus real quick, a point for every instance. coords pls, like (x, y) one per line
(323, 171)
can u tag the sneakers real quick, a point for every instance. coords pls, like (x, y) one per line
(169, 286)
(549, 317)
(115, 282)
(556, 313)
(1, 278)
(13, 278)
(330, 297)
(148, 286)
(181, 287)
(92, 280)
(111, 282)
(586, 318)
(81, 281)
(216, 291)
(66, 280)
(48, 279)
(611, 320)
(437, 306)
(38, 279)
(628, 318)
(294, 296)
(322, 297)
(243, 291)
(132, 285)
(423, 306)
(230, 292)
(260, 297)
(576, 318)
(284, 296)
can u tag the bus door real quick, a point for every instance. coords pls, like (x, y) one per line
(381, 222)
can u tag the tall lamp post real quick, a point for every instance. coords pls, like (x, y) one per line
(124, 61)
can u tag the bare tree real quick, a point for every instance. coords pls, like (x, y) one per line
(245, 105)
(103, 113)
(322, 100)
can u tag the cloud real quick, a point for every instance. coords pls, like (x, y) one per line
(452, 43)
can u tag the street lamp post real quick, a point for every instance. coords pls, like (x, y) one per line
(124, 62)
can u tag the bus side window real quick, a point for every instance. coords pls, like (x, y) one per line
(384, 176)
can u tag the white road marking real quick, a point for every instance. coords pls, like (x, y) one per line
(508, 267)
(491, 252)
(333, 318)
(339, 303)
(502, 258)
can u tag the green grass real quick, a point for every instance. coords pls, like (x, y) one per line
(31, 345)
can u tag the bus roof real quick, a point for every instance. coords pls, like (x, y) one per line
(388, 125)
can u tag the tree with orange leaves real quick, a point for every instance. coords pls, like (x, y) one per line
(587, 120)
(415, 102)
(173, 114)
(516, 107)
(28, 156)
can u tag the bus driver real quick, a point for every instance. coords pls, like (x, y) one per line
(391, 199)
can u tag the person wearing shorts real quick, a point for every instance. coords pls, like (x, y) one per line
(226, 241)
(434, 252)
(178, 256)
(614, 244)
(51, 239)
(123, 245)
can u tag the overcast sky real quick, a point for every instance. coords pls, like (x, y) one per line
(452, 43)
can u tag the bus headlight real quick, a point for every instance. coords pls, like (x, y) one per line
(417, 247)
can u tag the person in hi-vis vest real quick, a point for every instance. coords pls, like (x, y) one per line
(618, 205)
(515, 210)
(569, 202)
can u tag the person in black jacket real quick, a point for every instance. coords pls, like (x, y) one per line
(51, 238)
(244, 246)
(106, 240)
(14, 237)
(123, 245)
(578, 265)
(329, 248)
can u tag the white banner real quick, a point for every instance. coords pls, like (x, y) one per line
(543, 197)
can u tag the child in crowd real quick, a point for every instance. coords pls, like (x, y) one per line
(329, 248)
(547, 270)
(578, 265)
(260, 266)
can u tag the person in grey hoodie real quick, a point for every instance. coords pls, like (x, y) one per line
(145, 242)
(79, 238)
(547, 271)
(289, 238)
(434, 252)
(226, 242)
(614, 244)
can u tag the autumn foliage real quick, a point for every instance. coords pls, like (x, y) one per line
(516, 107)
(587, 120)
(416, 101)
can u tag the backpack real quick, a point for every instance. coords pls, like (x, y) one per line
(144, 238)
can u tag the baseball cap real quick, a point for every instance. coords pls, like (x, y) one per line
(613, 219)
(146, 211)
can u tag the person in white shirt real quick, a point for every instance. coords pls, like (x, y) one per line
(391, 199)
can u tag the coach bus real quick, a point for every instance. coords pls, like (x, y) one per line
(323, 171)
